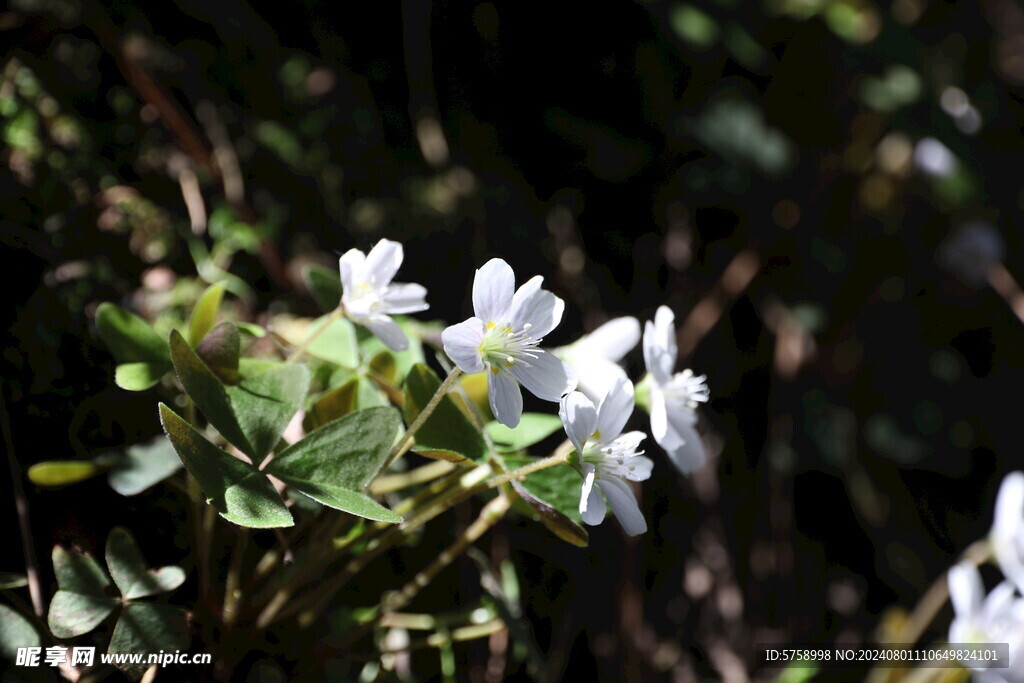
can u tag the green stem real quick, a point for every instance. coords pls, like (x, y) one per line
(407, 440)
(232, 590)
(296, 354)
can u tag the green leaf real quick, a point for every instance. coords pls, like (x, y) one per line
(131, 574)
(251, 415)
(336, 344)
(204, 315)
(147, 628)
(82, 601)
(265, 403)
(447, 434)
(557, 523)
(144, 465)
(250, 329)
(57, 473)
(336, 462)
(72, 614)
(533, 428)
(220, 349)
(16, 631)
(207, 392)
(240, 492)
(9, 580)
(394, 365)
(129, 338)
(333, 404)
(558, 486)
(140, 376)
(324, 285)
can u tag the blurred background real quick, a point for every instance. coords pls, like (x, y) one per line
(824, 191)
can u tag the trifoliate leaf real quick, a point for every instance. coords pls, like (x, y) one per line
(148, 628)
(335, 463)
(131, 574)
(447, 434)
(241, 493)
(82, 602)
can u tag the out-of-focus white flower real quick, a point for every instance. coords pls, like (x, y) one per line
(502, 338)
(369, 297)
(595, 357)
(995, 618)
(1007, 535)
(674, 397)
(605, 457)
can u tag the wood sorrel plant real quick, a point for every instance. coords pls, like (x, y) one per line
(304, 432)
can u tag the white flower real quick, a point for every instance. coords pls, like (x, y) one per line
(595, 357)
(605, 457)
(503, 337)
(369, 297)
(674, 398)
(1007, 535)
(996, 618)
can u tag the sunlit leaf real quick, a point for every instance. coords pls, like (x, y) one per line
(336, 344)
(558, 486)
(56, 473)
(241, 493)
(131, 574)
(532, 428)
(447, 434)
(204, 315)
(140, 376)
(336, 462)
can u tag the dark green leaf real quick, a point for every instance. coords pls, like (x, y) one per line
(144, 465)
(332, 404)
(72, 614)
(204, 315)
(148, 629)
(558, 486)
(78, 572)
(447, 434)
(15, 631)
(557, 523)
(324, 285)
(342, 458)
(265, 403)
(131, 574)
(140, 376)
(533, 428)
(241, 493)
(129, 338)
(219, 349)
(207, 392)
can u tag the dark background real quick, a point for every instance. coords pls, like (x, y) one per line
(758, 167)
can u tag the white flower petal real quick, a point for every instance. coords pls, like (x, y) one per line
(592, 508)
(659, 421)
(966, 591)
(687, 449)
(579, 417)
(462, 344)
(615, 409)
(546, 377)
(1009, 516)
(660, 345)
(388, 331)
(536, 307)
(596, 375)
(383, 262)
(405, 298)
(350, 265)
(613, 340)
(492, 291)
(624, 506)
(505, 397)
